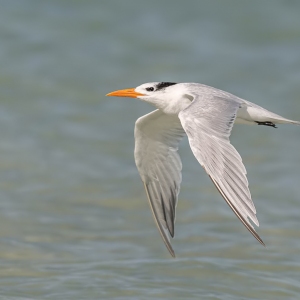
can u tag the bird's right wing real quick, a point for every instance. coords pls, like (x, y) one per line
(157, 136)
(208, 121)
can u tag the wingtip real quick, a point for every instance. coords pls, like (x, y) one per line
(259, 239)
(170, 248)
(159, 226)
(245, 222)
(172, 254)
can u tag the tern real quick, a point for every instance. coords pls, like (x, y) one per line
(206, 115)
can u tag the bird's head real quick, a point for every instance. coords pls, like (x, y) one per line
(169, 96)
(149, 92)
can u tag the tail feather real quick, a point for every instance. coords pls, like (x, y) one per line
(282, 120)
(252, 113)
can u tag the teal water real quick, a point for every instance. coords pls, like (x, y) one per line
(74, 219)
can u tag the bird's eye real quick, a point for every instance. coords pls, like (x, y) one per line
(150, 89)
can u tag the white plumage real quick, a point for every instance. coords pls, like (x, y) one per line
(206, 115)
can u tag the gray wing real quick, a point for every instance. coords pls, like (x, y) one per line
(208, 121)
(157, 136)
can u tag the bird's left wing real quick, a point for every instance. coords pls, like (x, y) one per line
(208, 121)
(157, 136)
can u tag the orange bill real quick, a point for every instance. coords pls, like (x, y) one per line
(125, 93)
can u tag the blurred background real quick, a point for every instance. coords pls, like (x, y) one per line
(74, 219)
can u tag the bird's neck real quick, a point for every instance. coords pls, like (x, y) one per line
(173, 106)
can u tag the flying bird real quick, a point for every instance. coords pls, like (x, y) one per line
(206, 115)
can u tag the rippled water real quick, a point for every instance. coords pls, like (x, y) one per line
(75, 223)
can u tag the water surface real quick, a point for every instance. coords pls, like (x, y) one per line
(75, 223)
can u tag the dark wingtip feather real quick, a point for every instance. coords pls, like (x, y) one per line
(158, 224)
(241, 218)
